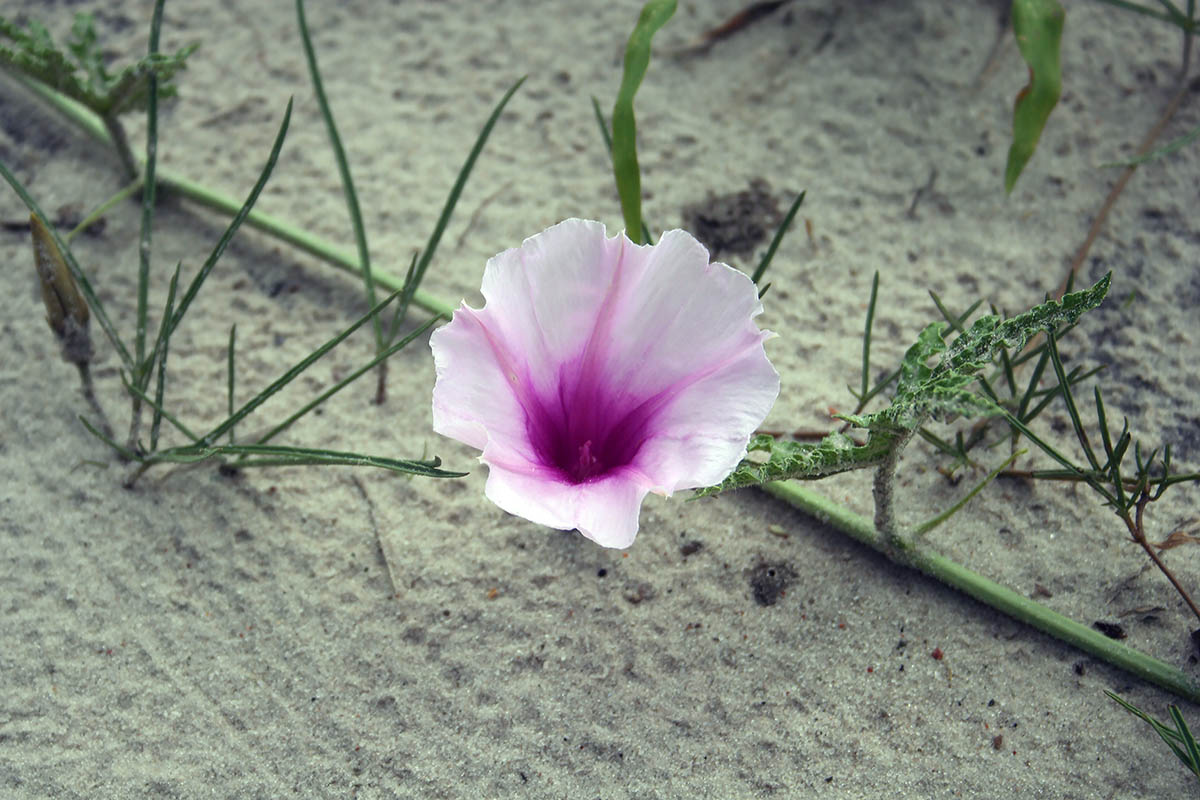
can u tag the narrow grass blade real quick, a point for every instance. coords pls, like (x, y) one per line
(291, 374)
(202, 195)
(1159, 152)
(99, 211)
(778, 238)
(1140, 9)
(607, 137)
(866, 348)
(275, 455)
(1174, 739)
(1037, 26)
(1189, 741)
(337, 387)
(85, 287)
(603, 123)
(149, 188)
(126, 454)
(413, 283)
(159, 357)
(1031, 388)
(229, 371)
(624, 135)
(339, 154)
(219, 250)
(158, 409)
(933, 522)
(1069, 398)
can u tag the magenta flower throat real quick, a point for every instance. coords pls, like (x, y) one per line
(599, 371)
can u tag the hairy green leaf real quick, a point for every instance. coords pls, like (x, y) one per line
(835, 453)
(923, 391)
(79, 71)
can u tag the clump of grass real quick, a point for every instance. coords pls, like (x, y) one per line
(71, 302)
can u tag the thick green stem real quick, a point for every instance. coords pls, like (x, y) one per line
(986, 591)
(198, 193)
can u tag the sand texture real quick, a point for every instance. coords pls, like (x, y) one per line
(333, 633)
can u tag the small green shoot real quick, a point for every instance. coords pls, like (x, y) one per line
(624, 129)
(1037, 26)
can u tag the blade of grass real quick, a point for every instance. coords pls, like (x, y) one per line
(1189, 741)
(277, 455)
(128, 455)
(1172, 738)
(167, 415)
(337, 387)
(159, 356)
(339, 154)
(230, 377)
(142, 372)
(1139, 9)
(104, 208)
(287, 377)
(778, 238)
(607, 137)
(603, 123)
(624, 134)
(866, 348)
(198, 281)
(933, 522)
(413, 283)
(1069, 399)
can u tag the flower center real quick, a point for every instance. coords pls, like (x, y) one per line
(587, 439)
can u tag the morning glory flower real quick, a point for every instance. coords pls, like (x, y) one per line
(598, 371)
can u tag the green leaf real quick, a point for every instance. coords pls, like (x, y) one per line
(941, 391)
(624, 137)
(794, 460)
(79, 72)
(1037, 25)
(923, 391)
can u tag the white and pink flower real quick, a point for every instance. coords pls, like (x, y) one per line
(598, 371)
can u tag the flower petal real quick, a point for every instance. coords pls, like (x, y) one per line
(473, 400)
(605, 511)
(702, 434)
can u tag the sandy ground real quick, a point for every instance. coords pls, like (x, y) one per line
(339, 633)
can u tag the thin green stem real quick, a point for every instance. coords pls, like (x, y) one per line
(777, 239)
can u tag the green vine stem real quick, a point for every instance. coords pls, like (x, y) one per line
(988, 592)
(825, 510)
(204, 196)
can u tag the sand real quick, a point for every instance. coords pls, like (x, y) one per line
(334, 632)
